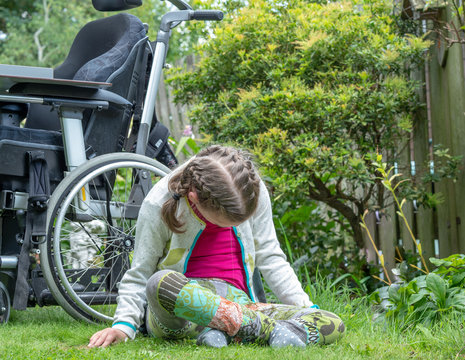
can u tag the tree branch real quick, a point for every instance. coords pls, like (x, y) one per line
(368, 195)
(341, 194)
(40, 47)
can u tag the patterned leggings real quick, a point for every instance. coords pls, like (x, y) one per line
(179, 307)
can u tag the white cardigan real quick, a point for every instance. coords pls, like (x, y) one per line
(158, 248)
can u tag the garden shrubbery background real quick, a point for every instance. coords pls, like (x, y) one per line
(315, 91)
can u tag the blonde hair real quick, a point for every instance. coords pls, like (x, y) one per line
(225, 181)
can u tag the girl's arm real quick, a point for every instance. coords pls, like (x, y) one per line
(151, 237)
(270, 258)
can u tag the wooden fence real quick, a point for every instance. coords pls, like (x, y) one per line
(175, 117)
(440, 230)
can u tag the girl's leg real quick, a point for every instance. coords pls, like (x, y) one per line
(172, 296)
(160, 320)
(329, 325)
(323, 326)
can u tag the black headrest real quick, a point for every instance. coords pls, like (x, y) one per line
(115, 5)
(101, 47)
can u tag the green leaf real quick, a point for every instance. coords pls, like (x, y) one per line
(339, 279)
(402, 203)
(440, 262)
(182, 142)
(456, 301)
(425, 331)
(393, 292)
(193, 145)
(457, 279)
(421, 281)
(416, 298)
(438, 287)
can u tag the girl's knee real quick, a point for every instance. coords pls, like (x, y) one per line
(331, 327)
(159, 279)
(327, 325)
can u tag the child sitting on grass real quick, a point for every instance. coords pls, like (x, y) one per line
(201, 232)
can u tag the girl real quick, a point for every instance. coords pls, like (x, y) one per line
(201, 232)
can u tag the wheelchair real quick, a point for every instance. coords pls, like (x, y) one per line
(72, 179)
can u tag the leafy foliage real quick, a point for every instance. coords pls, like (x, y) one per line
(317, 241)
(427, 298)
(315, 90)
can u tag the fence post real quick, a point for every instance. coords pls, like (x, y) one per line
(388, 238)
(369, 252)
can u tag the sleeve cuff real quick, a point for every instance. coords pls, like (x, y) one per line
(129, 329)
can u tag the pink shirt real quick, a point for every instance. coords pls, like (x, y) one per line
(217, 254)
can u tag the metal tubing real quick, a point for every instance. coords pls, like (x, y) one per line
(21, 99)
(180, 4)
(151, 97)
(73, 141)
(8, 262)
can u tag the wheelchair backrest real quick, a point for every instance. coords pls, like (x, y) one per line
(112, 49)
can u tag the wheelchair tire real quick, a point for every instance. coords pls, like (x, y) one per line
(91, 229)
(4, 304)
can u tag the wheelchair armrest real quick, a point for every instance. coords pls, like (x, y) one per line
(70, 92)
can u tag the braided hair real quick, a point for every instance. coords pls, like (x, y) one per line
(225, 181)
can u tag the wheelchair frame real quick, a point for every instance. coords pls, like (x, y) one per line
(85, 193)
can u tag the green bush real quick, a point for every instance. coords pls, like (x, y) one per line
(426, 299)
(314, 91)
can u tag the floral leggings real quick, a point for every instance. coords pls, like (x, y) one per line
(179, 307)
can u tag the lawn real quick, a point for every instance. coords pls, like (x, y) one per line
(49, 333)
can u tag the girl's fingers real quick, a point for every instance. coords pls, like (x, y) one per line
(110, 339)
(97, 339)
(106, 337)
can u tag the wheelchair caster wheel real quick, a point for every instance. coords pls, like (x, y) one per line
(4, 304)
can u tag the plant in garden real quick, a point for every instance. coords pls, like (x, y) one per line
(315, 91)
(317, 239)
(426, 298)
(389, 180)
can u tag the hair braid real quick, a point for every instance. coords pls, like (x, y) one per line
(225, 181)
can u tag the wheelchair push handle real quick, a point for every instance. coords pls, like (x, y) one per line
(207, 15)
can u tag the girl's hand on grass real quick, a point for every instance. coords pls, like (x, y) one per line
(106, 337)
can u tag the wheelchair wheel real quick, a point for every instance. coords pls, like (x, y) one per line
(4, 304)
(91, 223)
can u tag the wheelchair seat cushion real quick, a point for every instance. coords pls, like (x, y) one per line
(131, 30)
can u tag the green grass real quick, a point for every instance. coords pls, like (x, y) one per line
(49, 333)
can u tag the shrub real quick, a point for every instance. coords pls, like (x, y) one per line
(426, 298)
(314, 91)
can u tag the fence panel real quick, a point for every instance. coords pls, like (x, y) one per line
(172, 115)
(388, 238)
